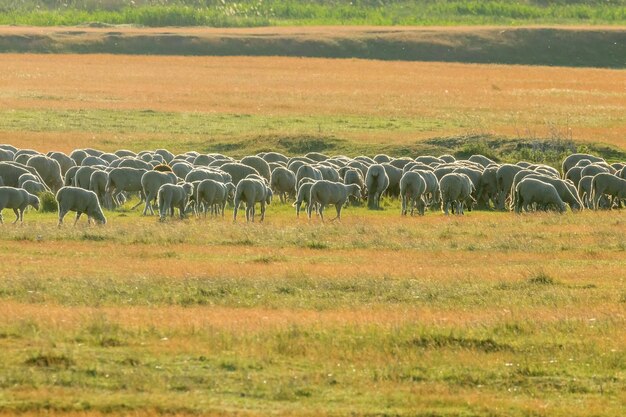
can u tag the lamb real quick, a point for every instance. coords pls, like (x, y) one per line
(214, 194)
(81, 201)
(326, 192)
(605, 183)
(412, 189)
(172, 196)
(252, 191)
(455, 187)
(151, 181)
(376, 182)
(283, 183)
(530, 190)
(17, 199)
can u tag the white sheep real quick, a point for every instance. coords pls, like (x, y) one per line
(532, 191)
(214, 195)
(81, 201)
(151, 181)
(283, 183)
(412, 189)
(125, 179)
(456, 188)
(376, 182)
(326, 192)
(17, 199)
(605, 183)
(252, 191)
(172, 196)
(304, 192)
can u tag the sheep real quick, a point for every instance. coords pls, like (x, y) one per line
(565, 189)
(455, 187)
(316, 156)
(69, 175)
(16, 199)
(6, 155)
(487, 189)
(394, 174)
(93, 160)
(574, 174)
(584, 190)
(382, 158)
(270, 157)
(326, 192)
(505, 176)
(181, 169)
(304, 192)
(530, 190)
(238, 171)
(125, 179)
(593, 169)
(34, 187)
(121, 153)
(10, 173)
(259, 164)
(412, 189)
(376, 182)
(481, 159)
(283, 183)
(427, 159)
(446, 158)
(29, 177)
(165, 154)
(172, 196)
(400, 162)
(65, 162)
(573, 159)
(354, 176)
(49, 171)
(214, 194)
(135, 163)
(98, 184)
(329, 173)
(151, 181)
(251, 191)
(605, 183)
(308, 171)
(81, 201)
(82, 177)
(203, 160)
(431, 194)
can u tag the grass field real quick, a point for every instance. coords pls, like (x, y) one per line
(491, 314)
(246, 13)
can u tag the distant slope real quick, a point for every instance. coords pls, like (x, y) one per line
(556, 46)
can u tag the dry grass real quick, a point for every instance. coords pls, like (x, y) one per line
(453, 99)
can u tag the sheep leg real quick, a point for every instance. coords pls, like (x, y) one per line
(17, 216)
(322, 212)
(1, 218)
(78, 214)
(262, 210)
(338, 207)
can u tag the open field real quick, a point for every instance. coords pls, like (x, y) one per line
(491, 314)
(243, 105)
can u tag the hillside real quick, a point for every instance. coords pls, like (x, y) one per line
(554, 46)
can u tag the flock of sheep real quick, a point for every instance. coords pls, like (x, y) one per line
(87, 180)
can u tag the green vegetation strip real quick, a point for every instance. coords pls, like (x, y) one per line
(248, 13)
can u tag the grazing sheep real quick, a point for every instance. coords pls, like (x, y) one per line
(78, 155)
(172, 196)
(376, 182)
(270, 157)
(428, 159)
(304, 192)
(151, 181)
(412, 189)
(400, 162)
(283, 183)
(203, 160)
(481, 159)
(382, 158)
(308, 171)
(165, 154)
(81, 201)
(29, 177)
(593, 169)
(354, 176)
(431, 194)
(6, 155)
(238, 171)
(329, 173)
(573, 159)
(487, 189)
(65, 162)
(326, 192)
(611, 185)
(259, 164)
(316, 156)
(181, 169)
(121, 153)
(532, 191)
(70, 175)
(395, 175)
(92, 161)
(98, 184)
(584, 190)
(505, 176)
(49, 171)
(10, 172)
(565, 189)
(17, 199)
(82, 177)
(34, 187)
(214, 195)
(252, 191)
(135, 163)
(125, 179)
(457, 188)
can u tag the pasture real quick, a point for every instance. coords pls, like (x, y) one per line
(490, 314)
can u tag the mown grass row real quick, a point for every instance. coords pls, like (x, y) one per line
(249, 13)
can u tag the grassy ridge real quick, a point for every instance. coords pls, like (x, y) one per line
(248, 13)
